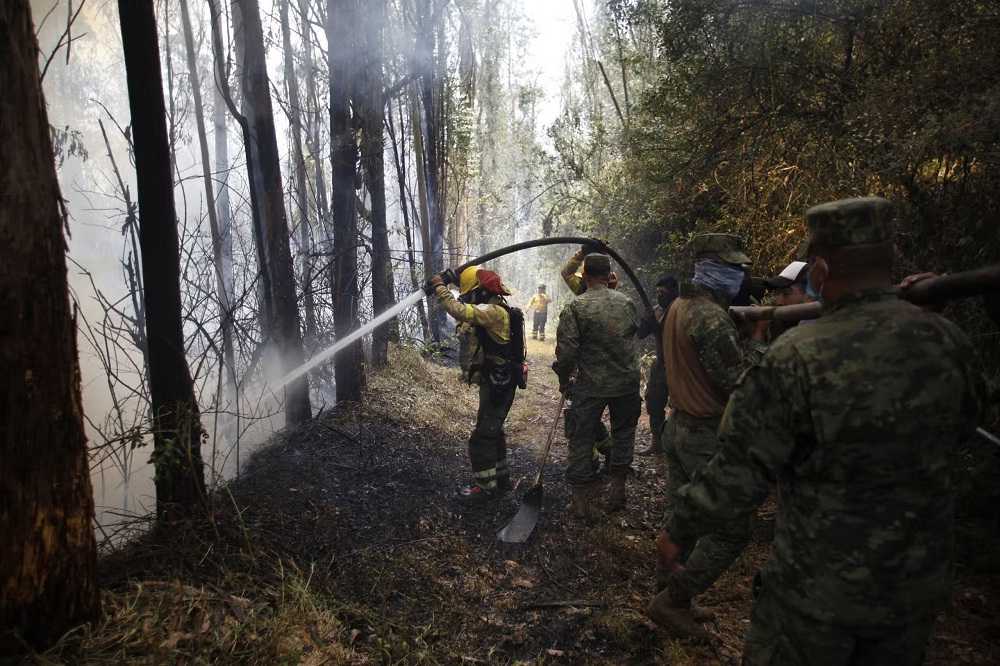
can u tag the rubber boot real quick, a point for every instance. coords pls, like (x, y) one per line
(616, 491)
(678, 618)
(582, 503)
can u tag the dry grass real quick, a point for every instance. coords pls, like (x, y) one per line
(342, 543)
(158, 622)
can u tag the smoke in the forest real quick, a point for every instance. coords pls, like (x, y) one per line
(498, 78)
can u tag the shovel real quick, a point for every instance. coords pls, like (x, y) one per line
(523, 523)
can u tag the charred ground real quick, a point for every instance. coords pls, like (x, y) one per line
(343, 543)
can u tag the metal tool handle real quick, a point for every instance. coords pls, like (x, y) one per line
(548, 442)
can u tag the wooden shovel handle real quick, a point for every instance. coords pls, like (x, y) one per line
(548, 442)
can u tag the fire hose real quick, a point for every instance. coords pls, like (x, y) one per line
(930, 291)
(564, 240)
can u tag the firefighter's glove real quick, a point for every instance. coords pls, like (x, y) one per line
(431, 287)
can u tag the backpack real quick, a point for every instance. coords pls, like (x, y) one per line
(513, 369)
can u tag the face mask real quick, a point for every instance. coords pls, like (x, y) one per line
(719, 277)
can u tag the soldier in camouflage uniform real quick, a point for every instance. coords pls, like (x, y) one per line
(855, 418)
(571, 274)
(704, 357)
(595, 341)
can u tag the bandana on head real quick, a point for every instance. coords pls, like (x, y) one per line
(719, 277)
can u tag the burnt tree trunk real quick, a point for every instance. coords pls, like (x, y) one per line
(273, 251)
(48, 555)
(301, 192)
(429, 130)
(342, 26)
(371, 102)
(177, 432)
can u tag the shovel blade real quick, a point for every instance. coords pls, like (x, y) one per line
(523, 523)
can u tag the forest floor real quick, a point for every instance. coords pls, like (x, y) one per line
(343, 543)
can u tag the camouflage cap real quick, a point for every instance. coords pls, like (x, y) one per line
(726, 247)
(597, 264)
(859, 221)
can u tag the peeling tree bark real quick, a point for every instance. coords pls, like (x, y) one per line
(48, 554)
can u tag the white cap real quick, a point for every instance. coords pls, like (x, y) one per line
(792, 270)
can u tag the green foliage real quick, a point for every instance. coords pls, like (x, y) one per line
(757, 111)
(745, 114)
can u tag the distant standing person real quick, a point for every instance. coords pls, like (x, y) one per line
(856, 418)
(597, 365)
(539, 306)
(491, 339)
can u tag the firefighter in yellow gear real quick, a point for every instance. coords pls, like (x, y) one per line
(487, 357)
(539, 307)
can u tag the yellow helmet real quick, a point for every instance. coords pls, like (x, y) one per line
(468, 280)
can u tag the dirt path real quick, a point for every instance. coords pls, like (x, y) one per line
(354, 519)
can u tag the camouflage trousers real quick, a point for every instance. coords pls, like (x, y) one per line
(782, 636)
(602, 438)
(656, 402)
(488, 444)
(583, 426)
(689, 444)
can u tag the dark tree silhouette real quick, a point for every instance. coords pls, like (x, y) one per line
(177, 432)
(48, 554)
(280, 312)
(342, 26)
(370, 100)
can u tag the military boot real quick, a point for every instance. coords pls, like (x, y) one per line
(582, 503)
(678, 618)
(616, 491)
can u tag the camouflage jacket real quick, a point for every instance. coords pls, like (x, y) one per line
(491, 317)
(596, 338)
(856, 419)
(723, 354)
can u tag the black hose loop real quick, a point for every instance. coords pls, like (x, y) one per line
(564, 240)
